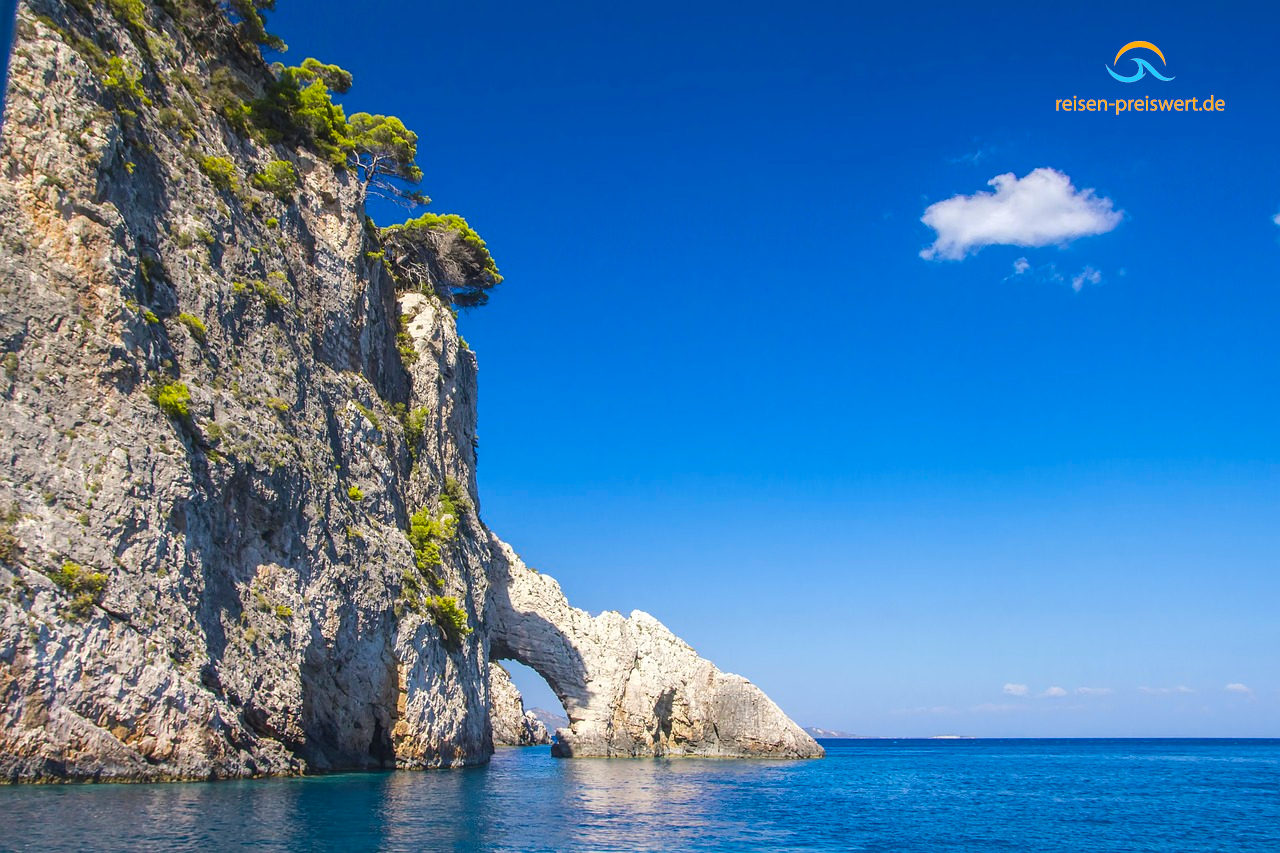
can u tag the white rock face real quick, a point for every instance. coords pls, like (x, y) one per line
(629, 686)
(231, 590)
(512, 724)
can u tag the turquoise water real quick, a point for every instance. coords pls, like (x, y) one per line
(1132, 795)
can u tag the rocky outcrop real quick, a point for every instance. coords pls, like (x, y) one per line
(512, 724)
(250, 614)
(629, 686)
(224, 432)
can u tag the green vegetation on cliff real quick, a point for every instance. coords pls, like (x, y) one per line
(173, 398)
(220, 171)
(195, 326)
(442, 254)
(451, 619)
(85, 587)
(294, 106)
(427, 534)
(278, 178)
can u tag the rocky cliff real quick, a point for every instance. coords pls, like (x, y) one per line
(628, 685)
(239, 529)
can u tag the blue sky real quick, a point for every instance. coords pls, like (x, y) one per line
(905, 496)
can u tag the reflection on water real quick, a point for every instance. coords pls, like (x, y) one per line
(868, 795)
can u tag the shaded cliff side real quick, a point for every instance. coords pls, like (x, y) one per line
(239, 528)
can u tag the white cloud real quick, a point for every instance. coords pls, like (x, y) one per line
(1040, 209)
(1094, 691)
(1276, 219)
(1054, 692)
(1016, 689)
(1165, 691)
(1051, 274)
(1087, 275)
(1237, 687)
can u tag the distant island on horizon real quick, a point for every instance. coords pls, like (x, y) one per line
(832, 734)
(836, 734)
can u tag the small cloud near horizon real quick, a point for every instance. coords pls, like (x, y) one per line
(1015, 689)
(1087, 275)
(1054, 692)
(1042, 208)
(1094, 691)
(1165, 691)
(1050, 273)
(1237, 687)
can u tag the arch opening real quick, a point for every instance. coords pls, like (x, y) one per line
(537, 696)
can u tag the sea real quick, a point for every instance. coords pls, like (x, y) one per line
(882, 795)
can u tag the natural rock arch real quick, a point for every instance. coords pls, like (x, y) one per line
(628, 685)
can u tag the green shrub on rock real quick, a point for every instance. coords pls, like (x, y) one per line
(369, 414)
(268, 294)
(168, 117)
(195, 326)
(278, 178)
(297, 108)
(454, 500)
(404, 342)
(220, 171)
(451, 618)
(425, 535)
(414, 422)
(271, 296)
(428, 532)
(124, 81)
(86, 587)
(226, 93)
(173, 398)
(129, 12)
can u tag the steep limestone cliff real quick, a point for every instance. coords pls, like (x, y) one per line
(239, 529)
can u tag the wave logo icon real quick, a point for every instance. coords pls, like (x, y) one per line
(1144, 67)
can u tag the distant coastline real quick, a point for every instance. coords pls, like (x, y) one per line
(818, 733)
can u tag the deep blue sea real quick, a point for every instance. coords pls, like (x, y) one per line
(884, 795)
